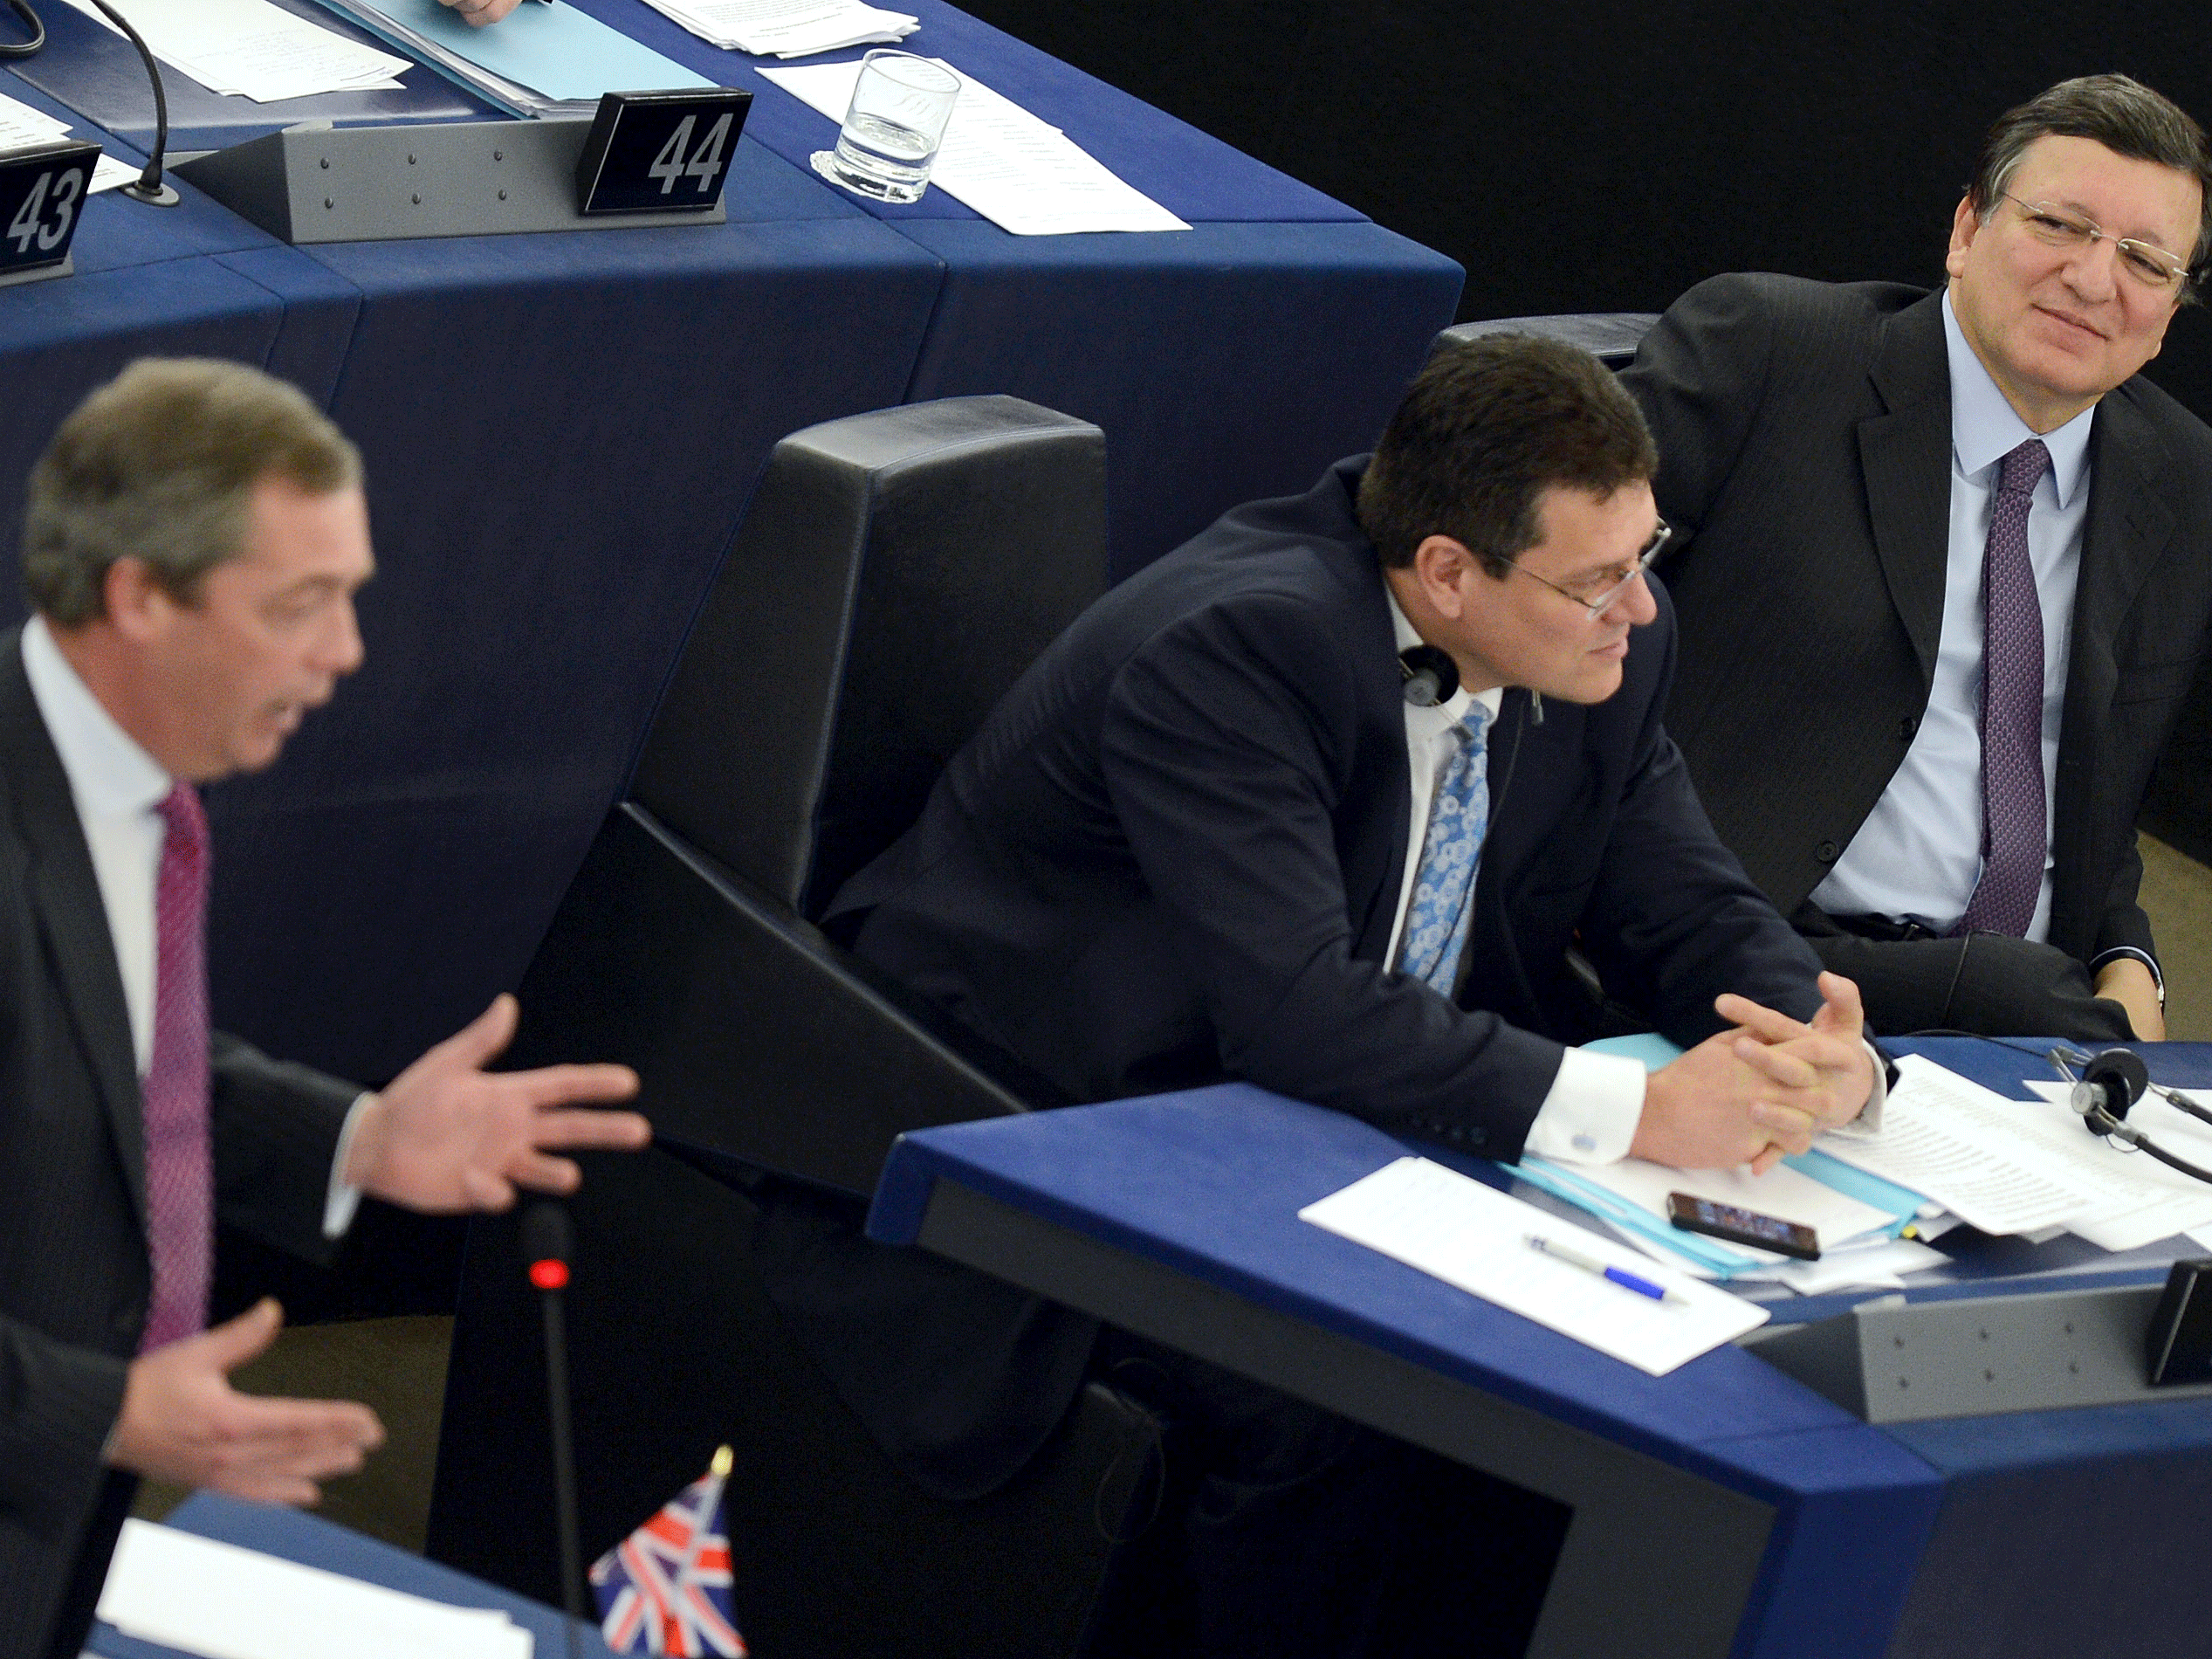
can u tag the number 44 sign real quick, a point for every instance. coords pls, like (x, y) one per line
(659, 152)
(41, 192)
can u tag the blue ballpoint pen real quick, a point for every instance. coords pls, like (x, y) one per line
(1620, 1276)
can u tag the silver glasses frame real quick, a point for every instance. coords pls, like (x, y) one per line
(2131, 249)
(1605, 600)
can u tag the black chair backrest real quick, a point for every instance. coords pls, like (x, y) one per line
(1610, 336)
(895, 573)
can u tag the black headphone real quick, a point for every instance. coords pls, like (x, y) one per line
(2111, 1082)
(1431, 676)
(38, 31)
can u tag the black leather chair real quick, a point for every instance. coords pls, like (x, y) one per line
(895, 573)
(1610, 336)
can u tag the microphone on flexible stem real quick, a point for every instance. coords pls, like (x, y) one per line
(547, 1240)
(147, 186)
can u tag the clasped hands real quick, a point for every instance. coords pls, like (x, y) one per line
(446, 1136)
(1761, 1089)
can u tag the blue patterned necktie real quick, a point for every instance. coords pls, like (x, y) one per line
(2014, 818)
(1436, 923)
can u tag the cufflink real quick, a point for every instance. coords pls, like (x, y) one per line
(1585, 1143)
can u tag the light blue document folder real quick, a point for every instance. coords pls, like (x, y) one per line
(555, 50)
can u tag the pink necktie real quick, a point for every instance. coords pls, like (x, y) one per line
(180, 1179)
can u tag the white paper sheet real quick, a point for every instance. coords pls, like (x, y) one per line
(1961, 1144)
(255, 49)
(1019, 173)
(23, 127)
(1878, 1267)
(1475, 1237)
(224, 1603)
(2139, 1200)
(787, 28)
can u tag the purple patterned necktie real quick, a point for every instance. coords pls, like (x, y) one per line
(179, 1168)
(2014, 824)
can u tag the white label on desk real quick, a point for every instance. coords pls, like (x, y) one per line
(194, 1593)
(1474, 1236)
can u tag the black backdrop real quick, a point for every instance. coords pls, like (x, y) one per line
(1604, 156)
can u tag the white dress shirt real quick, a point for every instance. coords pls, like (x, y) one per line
(1595, 1103)
(1919, 855)
(117, 787)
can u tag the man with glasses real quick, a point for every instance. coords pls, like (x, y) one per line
(1941, 563)
(1320, 801)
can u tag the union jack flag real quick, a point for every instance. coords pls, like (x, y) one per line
(665, 1589)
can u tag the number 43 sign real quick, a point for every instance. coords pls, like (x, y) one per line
(41, 192)
(659, 152)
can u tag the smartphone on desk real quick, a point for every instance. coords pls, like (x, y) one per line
(1743, 1226)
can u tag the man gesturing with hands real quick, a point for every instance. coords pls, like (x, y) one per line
(193, 540)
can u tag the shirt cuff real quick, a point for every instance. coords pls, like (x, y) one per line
(2144, 957)
(1869, 1121)
(1591, 1115)
(344, 1199)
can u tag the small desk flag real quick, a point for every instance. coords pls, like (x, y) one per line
(665, 1589)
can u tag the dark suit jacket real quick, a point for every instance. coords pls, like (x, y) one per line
(1804, 435)
(74, 1276)
(1173, 854)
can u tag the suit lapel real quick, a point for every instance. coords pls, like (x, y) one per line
(2128, 530)
(1906, 454)
(65, 895)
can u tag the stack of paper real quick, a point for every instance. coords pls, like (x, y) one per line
(541, 60)
(787, 28)
(254, 49)
(1855, 1218)
(2021, 1166)
(23, 127)
(1474, 1236)
(1019, 173)
(194, 1594)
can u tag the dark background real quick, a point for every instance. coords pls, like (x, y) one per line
(1604, 157)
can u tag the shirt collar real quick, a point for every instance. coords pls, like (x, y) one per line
(109, 774)
(1452, 709)
(1985, 429)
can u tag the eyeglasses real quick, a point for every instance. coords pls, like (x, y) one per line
(2058, 227)
(1598, 591)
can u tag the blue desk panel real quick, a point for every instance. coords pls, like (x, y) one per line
(1921, 1539)
(292, 1536)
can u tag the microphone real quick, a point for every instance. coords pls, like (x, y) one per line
(147, 186)
(546, 1242)
(1431, 676)
(2110, 1084)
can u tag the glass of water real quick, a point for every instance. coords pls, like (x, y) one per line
(901, 103)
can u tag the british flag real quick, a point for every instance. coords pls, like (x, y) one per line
(665, 1589)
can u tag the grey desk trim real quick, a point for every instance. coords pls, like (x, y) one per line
(1657, 1563)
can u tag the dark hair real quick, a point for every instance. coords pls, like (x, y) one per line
(161, 465)
(1488, 426)
(2124, 116)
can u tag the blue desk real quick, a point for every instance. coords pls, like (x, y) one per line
(294, 1536)
(561, 432)
(1721, 1510)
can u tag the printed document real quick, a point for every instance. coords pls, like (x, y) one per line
(253, 49)
(1458, 1230)
(787, 28)
(23, 127)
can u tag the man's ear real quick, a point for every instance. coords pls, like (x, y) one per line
(139, 608)
(1964, 227)
(1442, 567)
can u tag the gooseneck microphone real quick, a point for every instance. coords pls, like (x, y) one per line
(2110, 1084)
(546, 1242)
(147, 186)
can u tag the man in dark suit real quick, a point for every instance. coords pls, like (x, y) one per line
(1855, 474)
(1224, 828)
(193, 542)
